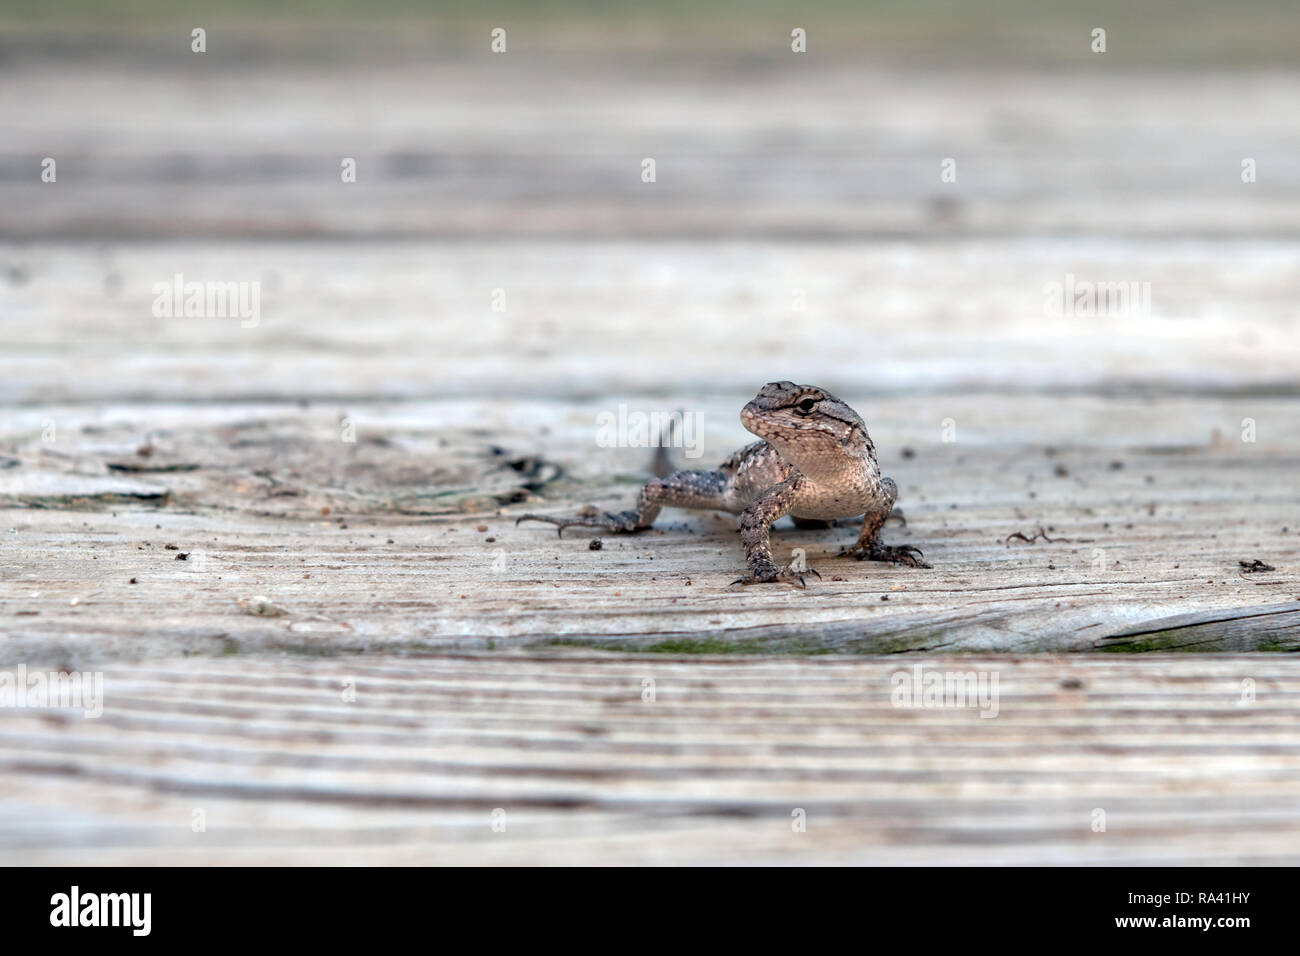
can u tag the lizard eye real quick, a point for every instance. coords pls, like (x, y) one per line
(807, 405)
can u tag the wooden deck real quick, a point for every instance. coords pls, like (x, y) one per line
(231, 520)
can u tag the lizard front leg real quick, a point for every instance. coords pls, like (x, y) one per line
(868, 546)
(706, 490)
(755, 535)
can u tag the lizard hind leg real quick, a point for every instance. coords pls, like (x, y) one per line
(702, 490)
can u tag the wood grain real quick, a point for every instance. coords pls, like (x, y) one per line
(1185, 766)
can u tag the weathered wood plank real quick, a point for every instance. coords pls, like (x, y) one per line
(376, 544)
(547, 146)
(345, 322)
(1247, 629)
(1187, 766)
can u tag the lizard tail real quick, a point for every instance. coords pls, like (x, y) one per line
(663, 465)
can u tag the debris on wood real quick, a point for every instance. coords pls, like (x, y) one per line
(261, 607)
(1255, 567)
(152, 467)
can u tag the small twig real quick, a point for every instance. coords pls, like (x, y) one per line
(1039, 535)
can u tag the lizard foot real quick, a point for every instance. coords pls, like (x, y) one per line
(786, 575)
(897, 554)
(623, 522)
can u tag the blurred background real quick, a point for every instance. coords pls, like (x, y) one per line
(798, 224)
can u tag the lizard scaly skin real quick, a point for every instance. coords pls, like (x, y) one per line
(815, 462)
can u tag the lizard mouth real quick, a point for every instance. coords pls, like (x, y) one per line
(759, 421)
(751, 418)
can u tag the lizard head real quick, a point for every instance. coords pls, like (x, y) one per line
(808, 425)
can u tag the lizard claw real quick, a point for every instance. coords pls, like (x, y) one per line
(903, 554)
(560, 523)
(786, 575)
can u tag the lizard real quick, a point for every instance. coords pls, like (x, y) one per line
(814, 461)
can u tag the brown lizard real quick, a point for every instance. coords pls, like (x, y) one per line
(815, 463)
